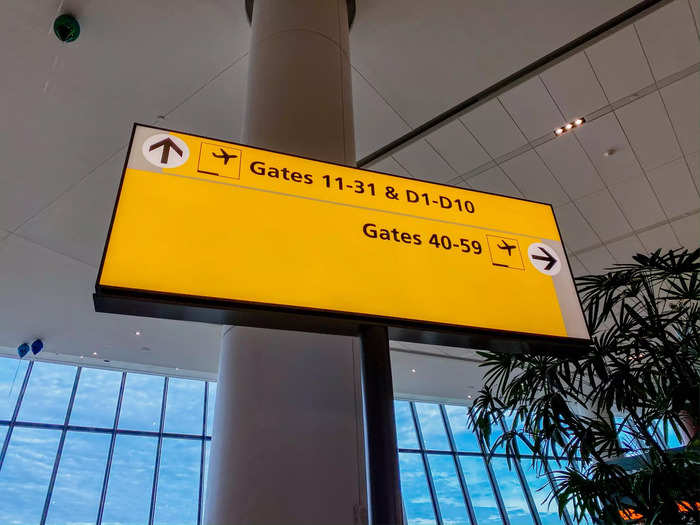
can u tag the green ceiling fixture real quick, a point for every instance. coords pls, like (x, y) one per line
(67, 28)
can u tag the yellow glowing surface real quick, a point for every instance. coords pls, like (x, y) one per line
(300, 240)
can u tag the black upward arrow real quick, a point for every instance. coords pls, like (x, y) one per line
(167, 144)
(551, 261)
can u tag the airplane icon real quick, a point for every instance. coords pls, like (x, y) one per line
(506, 246)
(224, 155)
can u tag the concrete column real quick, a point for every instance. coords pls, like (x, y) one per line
(287, 441)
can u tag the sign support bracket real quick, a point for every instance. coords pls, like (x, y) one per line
(385, 507)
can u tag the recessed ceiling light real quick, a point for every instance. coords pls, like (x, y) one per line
(569, 126)
(559, 131)
(609, 152)
(94, 353)
(469, 397)
(413, 370)
(578, 121)
(137, 332)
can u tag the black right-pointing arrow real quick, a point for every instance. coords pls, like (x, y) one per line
(551, 261)
(166, 143)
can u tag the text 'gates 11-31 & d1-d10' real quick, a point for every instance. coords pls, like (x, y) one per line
(212, 231)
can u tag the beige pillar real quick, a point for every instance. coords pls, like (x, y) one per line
(287, 443)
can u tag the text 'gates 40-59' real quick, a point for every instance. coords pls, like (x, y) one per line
(213, 231)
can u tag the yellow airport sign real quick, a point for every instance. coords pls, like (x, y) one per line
(209, 230)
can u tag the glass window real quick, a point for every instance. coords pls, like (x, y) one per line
(211, 404)
(539, 489)
(143, 398)
(96, 398)
(48, 393)
(465, 439)
(448, 490)
(511, 492)
(405, 429)
(81, 472)
(417, 502)
(178, 482)
(207, 450)
(3, 433)
(432, 426)
(25, 474)
(184, 408)
(480, 491)
(130, 484)
(11, 376)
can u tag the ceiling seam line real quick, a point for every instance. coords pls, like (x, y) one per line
(597, 114)
(381, 96)
(205, 85)
(668, 115)
(695, 20)
(644, 170)
(561, 186)
(68, 189)
(26, 239)
(585, 152)
(640, 230)
(556, 104)
(570, 48)
(497, 165)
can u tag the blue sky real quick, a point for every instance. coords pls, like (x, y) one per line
(26, 472)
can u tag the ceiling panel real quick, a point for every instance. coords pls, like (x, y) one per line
(688, 231)
(49, 295)
(570, 165)
(646, 124)
(682, 100)
(577, 267)
(674, 186)
(426, 58)
(528, 172)
(695, 6)
(604, 134)
(638, 202)
(619, 63)
(389, 165)
(661, 237)
(493, 128)
(573, 85)
(376, 123)
(576, 232)
(202, 113)
(694, 165)
(494, 181)
(77, 223)
(669, 38)
(459, 148)
(624, 249)
(604, 215)
(532, 108)
(597, 260)
(422, 162)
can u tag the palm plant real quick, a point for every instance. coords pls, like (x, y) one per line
(641, 375)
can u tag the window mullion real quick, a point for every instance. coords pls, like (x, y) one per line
(62, 440)
(200, 510)
(458, 467)
(426, 466)
(110, 454)
(156, 470)
(15, 412)
(492, 480)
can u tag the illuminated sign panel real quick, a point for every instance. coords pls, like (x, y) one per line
(210, 224)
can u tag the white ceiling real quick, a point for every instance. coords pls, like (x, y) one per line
(639, 89)
(68, 109)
